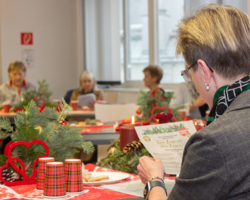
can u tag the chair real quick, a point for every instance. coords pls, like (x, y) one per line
(111, 113)
(111, 97)
(114, 112)
(68, 95)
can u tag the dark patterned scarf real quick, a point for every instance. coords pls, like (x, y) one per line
(225, 95)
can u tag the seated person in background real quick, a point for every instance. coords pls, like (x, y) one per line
(13, 90)
(152, 78)
(87, 85)
(187, 95)
(215, 43)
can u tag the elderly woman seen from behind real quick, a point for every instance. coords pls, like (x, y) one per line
(13, 90)
(87, 86)
(215, 43)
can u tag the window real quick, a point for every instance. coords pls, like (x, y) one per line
(136, 25)
(169, 14)
(136, 20)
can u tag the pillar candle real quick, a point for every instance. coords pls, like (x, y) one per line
(128, 134)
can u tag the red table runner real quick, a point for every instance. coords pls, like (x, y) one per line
(25, 192)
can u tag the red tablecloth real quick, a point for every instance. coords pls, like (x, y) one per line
(28, 191)
(95, 128)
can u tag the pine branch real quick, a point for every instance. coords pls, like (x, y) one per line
(57, 121)
(5, 124)
(27, 167)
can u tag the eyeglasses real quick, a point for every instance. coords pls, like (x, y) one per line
(187, 75)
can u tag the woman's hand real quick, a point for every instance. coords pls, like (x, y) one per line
(91, 104)
(150, 167)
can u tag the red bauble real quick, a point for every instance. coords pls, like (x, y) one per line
(138, 112)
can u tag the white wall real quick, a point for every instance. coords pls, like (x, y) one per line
(57, 42)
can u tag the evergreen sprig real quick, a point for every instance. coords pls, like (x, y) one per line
(63, 141)
(42, 92)
(146, 103)
(124, 162)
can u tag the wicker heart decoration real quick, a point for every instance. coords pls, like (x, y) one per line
(26, 179)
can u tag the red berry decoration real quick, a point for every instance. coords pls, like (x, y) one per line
(19, 110)
(64, 123)
(41, 109)
(138, 112)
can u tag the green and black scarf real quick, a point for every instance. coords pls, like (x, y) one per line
(225, 95)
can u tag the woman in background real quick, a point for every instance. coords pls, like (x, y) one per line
(152, 78)
(13, 90)
(187, 95)
(87, 86)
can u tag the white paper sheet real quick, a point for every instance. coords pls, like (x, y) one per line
(114, 112)
(167, 142)
(136, 187)
(85, 99)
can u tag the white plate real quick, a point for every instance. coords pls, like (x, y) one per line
(113, 178)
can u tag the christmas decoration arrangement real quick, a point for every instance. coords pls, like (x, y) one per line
(47, 126)
(147, 102)
(41, 98)
(126, 160)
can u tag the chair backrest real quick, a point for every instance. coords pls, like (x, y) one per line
(68, 96)
(114, 112)
(111, 97)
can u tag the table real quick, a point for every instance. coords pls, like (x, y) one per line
(94, 193)
(100, 135)
(81, 114)
(77, 114)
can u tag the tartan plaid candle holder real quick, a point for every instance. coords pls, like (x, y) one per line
(54, 185)
(41, 172)
(73, 175)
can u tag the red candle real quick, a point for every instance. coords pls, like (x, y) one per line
(128, 134)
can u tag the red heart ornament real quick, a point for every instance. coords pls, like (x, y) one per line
(26, 179)
(40, 102)
(152, 117)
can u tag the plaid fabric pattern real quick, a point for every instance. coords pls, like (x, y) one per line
(73, 177)
(54, 184)
(41, 174)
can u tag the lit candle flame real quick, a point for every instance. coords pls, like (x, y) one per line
(133, 119)
(195, 123)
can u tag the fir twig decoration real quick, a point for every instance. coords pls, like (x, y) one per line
(58, 120)
(120, 161)
(63, 141)
(42, 92)
(146, 103)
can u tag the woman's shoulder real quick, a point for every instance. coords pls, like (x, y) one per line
(30, 86)
(5, 86)
(183, 85)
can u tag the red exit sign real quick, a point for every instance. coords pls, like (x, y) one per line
(26, 38)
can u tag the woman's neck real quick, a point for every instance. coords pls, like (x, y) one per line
(18, 87)
(153, 88)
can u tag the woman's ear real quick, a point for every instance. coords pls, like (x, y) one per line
(205, 70)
